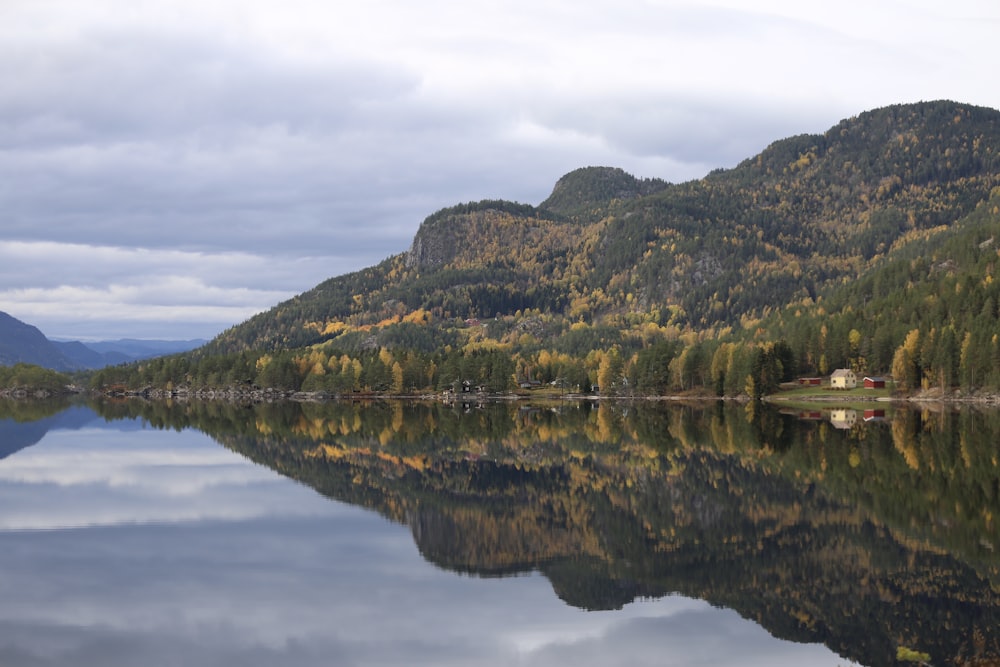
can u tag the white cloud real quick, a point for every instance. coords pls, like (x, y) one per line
(180, 294)
(98, 477)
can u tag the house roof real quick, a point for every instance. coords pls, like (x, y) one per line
(842, 372)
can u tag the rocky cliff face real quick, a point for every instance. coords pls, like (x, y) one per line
(481, 232)
(434, 245)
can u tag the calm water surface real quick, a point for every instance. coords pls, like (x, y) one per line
(433, 535)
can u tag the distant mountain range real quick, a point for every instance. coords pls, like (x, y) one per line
(23, 343)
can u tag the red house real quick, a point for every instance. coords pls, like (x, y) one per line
(874, 383)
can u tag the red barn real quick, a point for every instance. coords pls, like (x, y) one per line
(874, 383)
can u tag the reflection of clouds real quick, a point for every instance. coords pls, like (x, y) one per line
(172, 473)
(591, 626)
(698, 635)
(155, 570)
(103, 477)
(348, 590)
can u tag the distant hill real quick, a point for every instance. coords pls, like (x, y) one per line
(144, 348)
(112, 352)
(23, 343)
(86, 357)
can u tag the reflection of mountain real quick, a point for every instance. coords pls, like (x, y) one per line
(809, 537)
(24, 424)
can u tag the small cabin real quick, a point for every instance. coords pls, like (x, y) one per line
(843, 378)
(874, 383)
(810, 382)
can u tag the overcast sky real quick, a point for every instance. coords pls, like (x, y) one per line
(170, 167)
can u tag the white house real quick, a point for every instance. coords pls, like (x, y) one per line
(843, 378)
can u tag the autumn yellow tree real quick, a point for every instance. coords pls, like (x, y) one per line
(905, 370)
(397, 378)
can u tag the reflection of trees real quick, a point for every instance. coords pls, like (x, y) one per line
(25, 422)
(25, 410)
(863, 539)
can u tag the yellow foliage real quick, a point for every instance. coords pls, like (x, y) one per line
(418, 316)
(334, 327)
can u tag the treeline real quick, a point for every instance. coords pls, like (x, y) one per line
(32, 378)
(665, 367)
(502, 205)
(320, 370)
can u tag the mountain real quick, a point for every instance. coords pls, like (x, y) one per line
(809, 213)
(84, 356)
(871, 246)
(99, 354)
(134, 348)
(23, 343)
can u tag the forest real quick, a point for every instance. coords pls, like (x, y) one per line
(872, 246)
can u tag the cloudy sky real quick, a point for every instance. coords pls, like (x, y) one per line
(170, 167)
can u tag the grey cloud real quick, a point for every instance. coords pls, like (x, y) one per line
(174, 143)
(704, 133)
(112, 87)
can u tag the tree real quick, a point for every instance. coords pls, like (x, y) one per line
(397, 378)
(905, 370)
(609, 372)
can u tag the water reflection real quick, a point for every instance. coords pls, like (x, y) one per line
(867, 538)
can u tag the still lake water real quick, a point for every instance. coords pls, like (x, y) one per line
(506, 534)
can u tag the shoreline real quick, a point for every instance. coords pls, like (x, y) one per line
(266, 395)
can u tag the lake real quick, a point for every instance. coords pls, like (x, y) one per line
(383, 533)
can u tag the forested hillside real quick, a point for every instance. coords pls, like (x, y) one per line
(821, 252)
